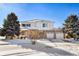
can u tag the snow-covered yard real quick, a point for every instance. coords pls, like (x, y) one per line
(18, 47)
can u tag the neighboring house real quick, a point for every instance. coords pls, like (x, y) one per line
(37, 24)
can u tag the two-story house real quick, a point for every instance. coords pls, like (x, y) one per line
(42, 25)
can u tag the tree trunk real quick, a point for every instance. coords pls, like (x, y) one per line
(6, 37)
(18, 37)
(11, 37)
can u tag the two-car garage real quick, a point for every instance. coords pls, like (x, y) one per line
(58, 34)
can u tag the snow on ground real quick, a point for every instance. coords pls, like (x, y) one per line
(72, 47)
(2, 37)
(16, 50)
(18, 47)
(3, 43)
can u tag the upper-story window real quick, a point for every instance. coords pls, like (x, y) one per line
(44, 25)
(28, 25)
(23, 25)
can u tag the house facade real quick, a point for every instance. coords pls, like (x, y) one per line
(42, 25)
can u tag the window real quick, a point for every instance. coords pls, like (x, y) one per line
(44, 25)
(23, 25)
(28, 25)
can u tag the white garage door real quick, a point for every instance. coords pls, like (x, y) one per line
(50, 35)
(59, 35)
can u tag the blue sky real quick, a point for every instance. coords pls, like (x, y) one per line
(56, 12)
